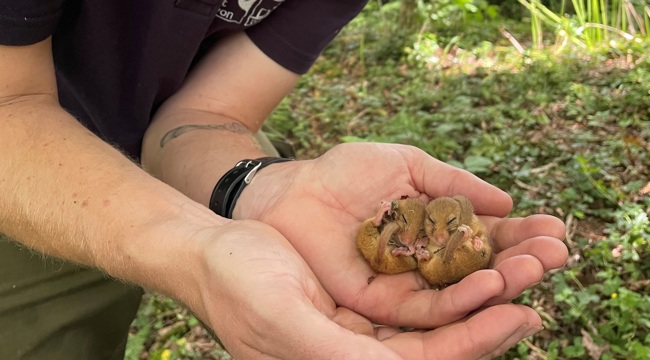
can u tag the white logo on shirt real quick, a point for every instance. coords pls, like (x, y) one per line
(247, 12)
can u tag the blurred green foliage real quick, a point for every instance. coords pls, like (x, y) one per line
(564, 128)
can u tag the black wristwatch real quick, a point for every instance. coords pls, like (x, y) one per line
(229, 187)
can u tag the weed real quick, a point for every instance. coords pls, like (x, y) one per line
(565, 129)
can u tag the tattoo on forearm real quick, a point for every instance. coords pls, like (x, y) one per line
(234, 127)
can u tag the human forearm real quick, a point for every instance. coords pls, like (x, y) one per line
(192, 149)
(209, 124)
(69, 194)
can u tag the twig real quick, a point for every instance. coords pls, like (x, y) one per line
(570, 229)
(526, 186)
(631, 11)
(622, 33)
(512, 40)
(537, 350)
(543, 168)
(354, 120)
(639, 285)
(560, 41)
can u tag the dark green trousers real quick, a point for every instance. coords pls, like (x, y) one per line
(52, 309)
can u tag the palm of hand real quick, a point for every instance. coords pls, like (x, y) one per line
(264, 302)
(322, 212)
(328, 198)
(255, 280)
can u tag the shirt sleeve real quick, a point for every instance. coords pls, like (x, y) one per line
(296, 33)
(25, 22)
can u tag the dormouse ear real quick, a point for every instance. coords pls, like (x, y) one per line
(466, 206)
(394, 206)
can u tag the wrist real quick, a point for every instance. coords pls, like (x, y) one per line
(230, 186)
(266, 189)
(164, 254)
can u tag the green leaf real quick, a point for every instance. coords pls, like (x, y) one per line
(477, 164)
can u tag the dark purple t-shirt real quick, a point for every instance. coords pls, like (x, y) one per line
(118, 60)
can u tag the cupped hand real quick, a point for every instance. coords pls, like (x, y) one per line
(318, 205)
(264, 302)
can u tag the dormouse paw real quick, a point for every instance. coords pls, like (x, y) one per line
(385, 209)
(403, 251)
(422, 254)
(477, 243)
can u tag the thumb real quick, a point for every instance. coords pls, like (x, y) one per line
(437, 178)
(485, 335)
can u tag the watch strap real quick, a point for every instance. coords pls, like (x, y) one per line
(232, 183)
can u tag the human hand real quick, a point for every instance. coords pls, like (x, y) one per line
(319, 204)
(264, 302)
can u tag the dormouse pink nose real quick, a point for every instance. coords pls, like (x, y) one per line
(407, 239)
(442, 238)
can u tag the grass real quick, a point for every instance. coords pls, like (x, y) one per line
(594, 22)
(565, 131)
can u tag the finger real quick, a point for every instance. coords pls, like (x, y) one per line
(384, 332)
(519, 273)
(344, 335)
(509, 232)
(551, 252)
(484, 335)
(433, 308)
(296, 322)
(397, 300)
(437, 178)
(352, 321)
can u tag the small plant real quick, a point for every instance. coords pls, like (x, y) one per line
(565, 133)
(593, 22)
(163, 330)
(605, 293)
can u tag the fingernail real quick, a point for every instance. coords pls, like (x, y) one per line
(534, 330)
